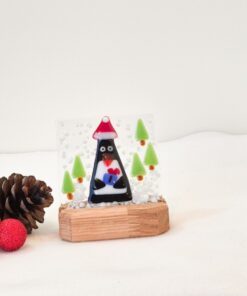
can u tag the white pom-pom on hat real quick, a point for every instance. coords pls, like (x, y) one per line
(105, 119)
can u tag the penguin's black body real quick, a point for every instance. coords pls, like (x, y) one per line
(109, 181)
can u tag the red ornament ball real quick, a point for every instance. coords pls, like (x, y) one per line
(13, 235)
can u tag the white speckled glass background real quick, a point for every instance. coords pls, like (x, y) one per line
(75, 138)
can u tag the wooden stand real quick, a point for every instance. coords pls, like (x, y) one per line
(122, 221)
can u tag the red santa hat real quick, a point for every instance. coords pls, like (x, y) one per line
(105, 130)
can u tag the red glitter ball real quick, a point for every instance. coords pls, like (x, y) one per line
(13, 235)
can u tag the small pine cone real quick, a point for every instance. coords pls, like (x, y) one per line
(24, 198)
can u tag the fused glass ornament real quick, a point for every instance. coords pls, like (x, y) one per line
(138, 169)
(78, 170)
(151, 158)
(75, 139)
(141, 132)
(68, 186)
(109, 181)
(109, 194)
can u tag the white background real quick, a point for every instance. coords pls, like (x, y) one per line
(183, 61)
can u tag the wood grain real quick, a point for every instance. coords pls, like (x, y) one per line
(122, 221)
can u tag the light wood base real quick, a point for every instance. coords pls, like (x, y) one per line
(122, 221)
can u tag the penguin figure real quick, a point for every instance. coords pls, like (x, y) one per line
(109, 181)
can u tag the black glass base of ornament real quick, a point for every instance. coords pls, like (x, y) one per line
(110, 198)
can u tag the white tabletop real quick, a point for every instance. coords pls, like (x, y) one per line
(204, 253)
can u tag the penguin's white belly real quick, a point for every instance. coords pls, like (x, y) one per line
(101, 172)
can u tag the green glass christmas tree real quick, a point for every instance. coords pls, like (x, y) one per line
(151, 158)
(141, 132)
(78, 170)
(68, 186)
(138, 169)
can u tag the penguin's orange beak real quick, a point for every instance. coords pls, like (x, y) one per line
(107, 158)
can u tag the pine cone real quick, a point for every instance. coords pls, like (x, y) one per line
(24, 198)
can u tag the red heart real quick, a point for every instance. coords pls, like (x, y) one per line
(114, 171)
